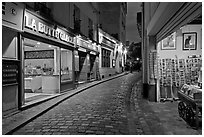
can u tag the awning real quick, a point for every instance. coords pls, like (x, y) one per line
(171, 16)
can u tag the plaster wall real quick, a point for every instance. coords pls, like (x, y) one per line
(179, 52)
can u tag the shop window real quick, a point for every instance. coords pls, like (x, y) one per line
(105, 58)
(66, 65)
(41, 69)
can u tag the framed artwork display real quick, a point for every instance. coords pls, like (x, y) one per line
(190, 41)
(169, 43)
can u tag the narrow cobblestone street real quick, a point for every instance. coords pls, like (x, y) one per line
(104, 109)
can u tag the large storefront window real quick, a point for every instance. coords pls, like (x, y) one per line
(41, 69)
(66, 65)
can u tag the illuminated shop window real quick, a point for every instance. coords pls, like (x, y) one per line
(66, 65)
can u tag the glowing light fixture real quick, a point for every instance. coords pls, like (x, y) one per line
(125, 51)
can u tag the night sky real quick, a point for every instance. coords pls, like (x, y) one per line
(131, 22)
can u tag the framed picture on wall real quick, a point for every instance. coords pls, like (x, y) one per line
(169, 43)
(189, 41)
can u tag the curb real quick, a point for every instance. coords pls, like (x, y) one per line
(11, 124)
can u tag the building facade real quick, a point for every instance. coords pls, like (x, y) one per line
(50, 47)
(44, 53)
(159, 22)
(112, 19)
(111, 58)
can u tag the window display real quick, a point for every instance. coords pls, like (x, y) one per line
(41, 67)
(66, 65)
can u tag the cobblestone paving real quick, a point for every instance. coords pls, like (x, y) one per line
(160, 118)
(106, 109)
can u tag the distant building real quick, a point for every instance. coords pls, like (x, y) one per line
(112, 19)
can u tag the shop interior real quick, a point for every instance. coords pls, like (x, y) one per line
(45, 67)
(176, 66)
(179, 59)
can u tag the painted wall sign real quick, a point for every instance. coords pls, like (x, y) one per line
(38, 26)
(82, 49)
(86, 44)
(12, 15)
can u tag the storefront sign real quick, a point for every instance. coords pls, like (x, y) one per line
(86, 44)
(12, 15)
(82, 49)
(106, 41)
(93, 53)
(38, 26)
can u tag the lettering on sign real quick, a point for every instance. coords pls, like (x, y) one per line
(9, 72)
(50, 31)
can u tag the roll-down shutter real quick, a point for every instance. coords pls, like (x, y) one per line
(184, 15)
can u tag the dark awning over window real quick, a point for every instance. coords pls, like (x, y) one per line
(171, 16)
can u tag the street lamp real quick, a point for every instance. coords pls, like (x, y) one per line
(125, 51)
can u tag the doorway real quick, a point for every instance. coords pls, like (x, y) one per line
(41, 65)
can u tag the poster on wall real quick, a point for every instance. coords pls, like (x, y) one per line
(189, 41)
(169, 43)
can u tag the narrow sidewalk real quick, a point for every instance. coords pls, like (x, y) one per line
(21, 118)
(160, 118)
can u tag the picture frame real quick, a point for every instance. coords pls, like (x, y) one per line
(169, 43)
(190, 41)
